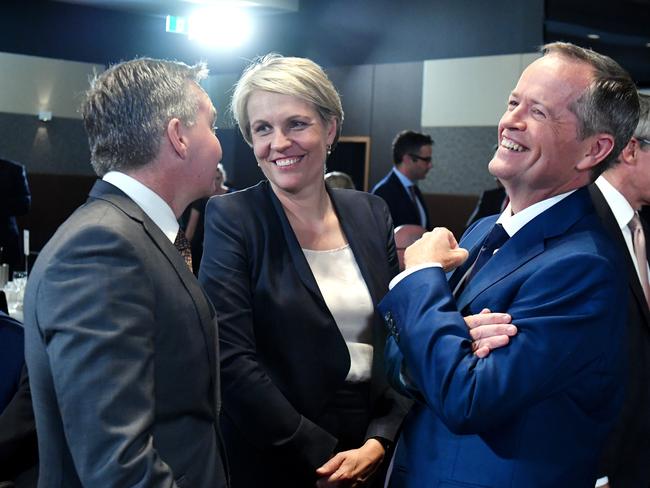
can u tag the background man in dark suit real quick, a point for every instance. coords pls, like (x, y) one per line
(618, 194)
(492, 201)
(537, 412)
(15, 199)
(412, 159)
(120, 340)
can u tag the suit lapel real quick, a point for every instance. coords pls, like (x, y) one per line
(527, 243)
(472, 240)
(105, 191)
(408, 205)
(295, 251)
(614, 230)
(356, 229)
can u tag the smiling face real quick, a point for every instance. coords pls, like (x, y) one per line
(290, 141)
(540, 154)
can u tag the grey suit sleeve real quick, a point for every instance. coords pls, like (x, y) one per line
(94, 312)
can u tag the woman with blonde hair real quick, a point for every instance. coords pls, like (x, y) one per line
(295, 270)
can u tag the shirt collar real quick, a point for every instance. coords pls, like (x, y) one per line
(621, 208)
(513, 223)
(149, 201)
(406, 183)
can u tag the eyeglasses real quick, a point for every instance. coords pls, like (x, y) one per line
(426, 159)
(643, 140)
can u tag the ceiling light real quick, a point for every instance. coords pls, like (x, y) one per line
(593, 36)
(220, 27)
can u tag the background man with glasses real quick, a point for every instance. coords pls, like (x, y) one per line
(412, 159)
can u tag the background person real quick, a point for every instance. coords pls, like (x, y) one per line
(618, 194)
(194, 217)
(15, 200)
(339, 179)
(412, 157)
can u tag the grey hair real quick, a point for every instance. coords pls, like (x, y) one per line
(128, 107)
(609, 105)
(298, 77)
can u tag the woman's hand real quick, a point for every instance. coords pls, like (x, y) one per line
(351, 468)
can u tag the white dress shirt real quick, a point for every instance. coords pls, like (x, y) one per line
(149, 201)
(346, 295)
(623, 213)
(511, 224)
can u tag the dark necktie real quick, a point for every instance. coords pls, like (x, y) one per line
(413, 195)
(183, 245)
(495, 239)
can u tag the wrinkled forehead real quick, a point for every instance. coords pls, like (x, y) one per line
(555, 80)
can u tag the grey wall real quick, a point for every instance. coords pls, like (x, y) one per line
(58, 146)
(461, 156)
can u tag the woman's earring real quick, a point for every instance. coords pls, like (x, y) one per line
(329, 149)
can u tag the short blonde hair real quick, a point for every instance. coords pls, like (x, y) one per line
(298, 77)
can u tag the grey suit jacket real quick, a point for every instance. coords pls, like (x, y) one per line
(121, 347)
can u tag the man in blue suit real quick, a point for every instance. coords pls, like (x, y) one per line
(535, 413)
(412, 156)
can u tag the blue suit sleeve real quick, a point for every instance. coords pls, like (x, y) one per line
(566, 324)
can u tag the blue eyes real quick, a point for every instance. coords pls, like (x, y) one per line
(291, 125)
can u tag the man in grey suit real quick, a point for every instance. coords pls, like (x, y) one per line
(121, 342)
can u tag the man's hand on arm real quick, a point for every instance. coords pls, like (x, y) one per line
(437, 246)
(489, 331)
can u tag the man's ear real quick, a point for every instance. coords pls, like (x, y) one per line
(176, 136)
(599, 148)
(630, 151)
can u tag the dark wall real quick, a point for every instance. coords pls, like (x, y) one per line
(333, 32)
(59, 146)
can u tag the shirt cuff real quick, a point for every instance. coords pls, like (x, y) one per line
(602, 481)
(409, 271)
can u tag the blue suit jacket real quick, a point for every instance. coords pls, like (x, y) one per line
(534, 413)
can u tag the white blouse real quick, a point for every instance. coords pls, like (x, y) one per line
(348, 299)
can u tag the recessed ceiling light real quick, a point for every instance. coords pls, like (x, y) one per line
(593, 36)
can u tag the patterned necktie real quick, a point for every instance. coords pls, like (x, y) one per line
(183, 245)
(495, 239)
(638, 240)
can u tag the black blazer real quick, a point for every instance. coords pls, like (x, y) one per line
(489, 203)
(402, 209)
(282, 354)
(627, 457)
(15, 199)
